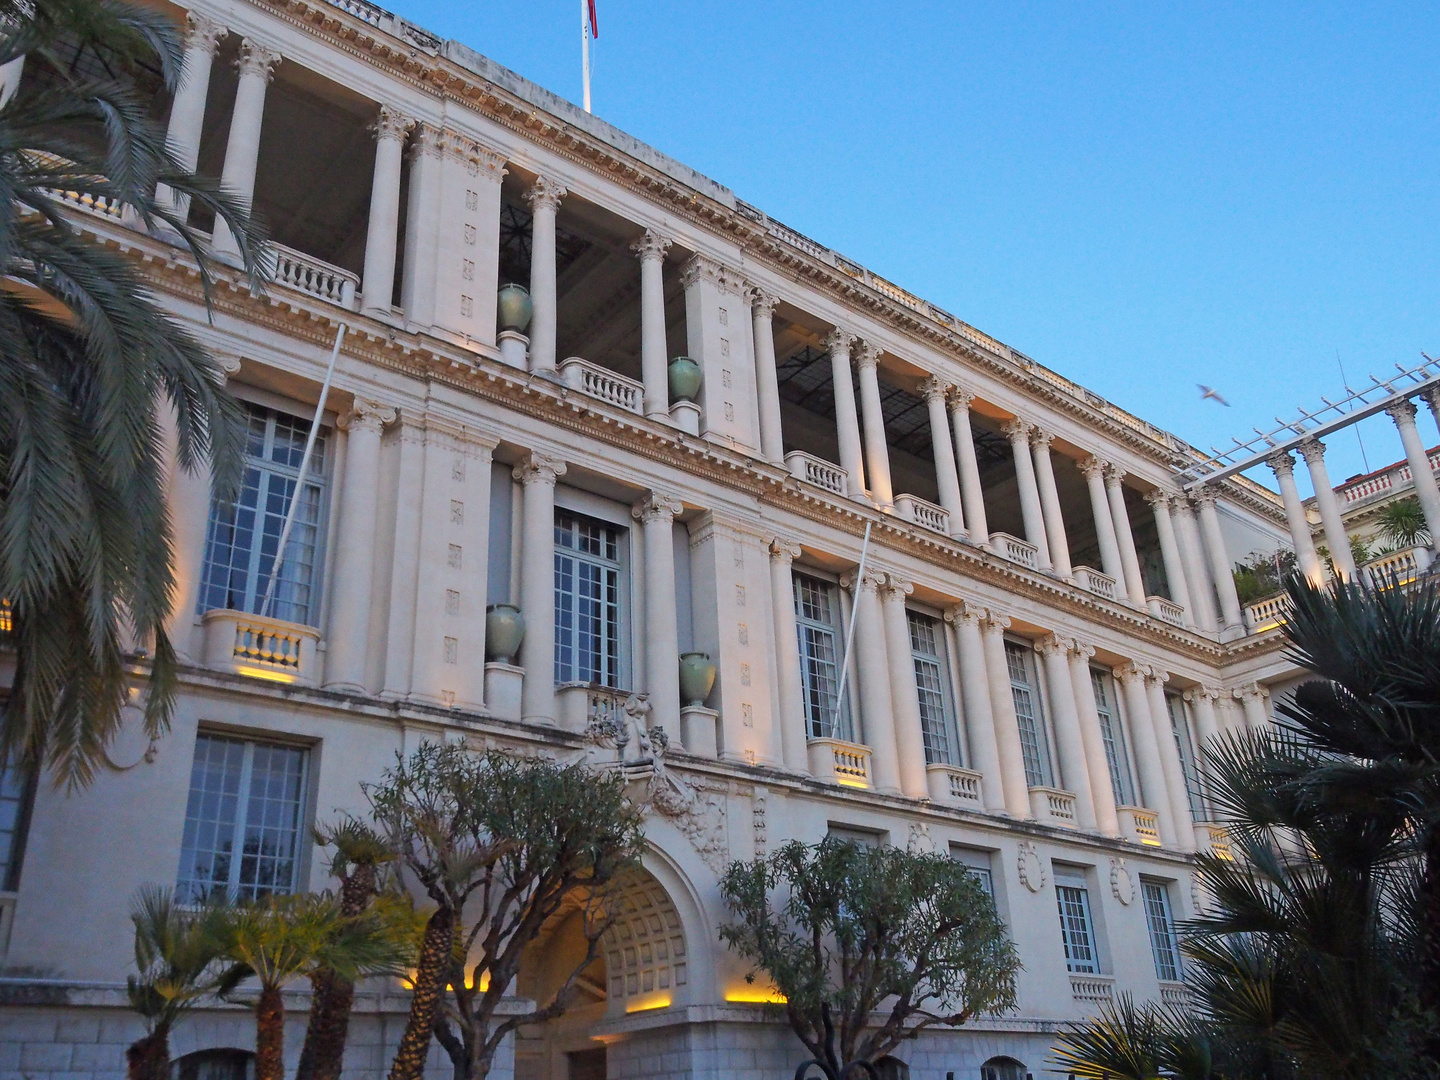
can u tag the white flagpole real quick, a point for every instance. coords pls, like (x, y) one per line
(585, 46)
(844, 674)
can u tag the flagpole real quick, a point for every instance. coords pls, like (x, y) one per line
(585, 47)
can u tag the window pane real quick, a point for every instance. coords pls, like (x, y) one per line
(1180, 726)
(930, 689)
(14, 800)
(1075, 929)
(1113, 737)
(589, 593)
(1033, 745)
(272, 821)
(208, 844)
(815, 611)
(1163, 941)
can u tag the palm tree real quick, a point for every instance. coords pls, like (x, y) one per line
(1402, 523)
(88, 365)
(283, 938)
(178, 961)
(1136, 1042)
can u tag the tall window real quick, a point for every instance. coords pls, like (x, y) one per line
(937, 726)
(1180, 725)
(16, 795)
(244, 820)
(1077, 930)
(589, 600)
(978, 863)
(1112, 733)
(244, 533)
(817, 620)
(1164, 943)
(1024, 688)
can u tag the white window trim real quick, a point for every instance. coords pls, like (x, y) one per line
(1043, 728)
(627, 652)
(1077, 878)
(948, 701)
(850, 711)
(1121, 732)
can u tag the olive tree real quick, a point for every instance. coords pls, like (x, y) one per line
(498, 843)
(869, 945)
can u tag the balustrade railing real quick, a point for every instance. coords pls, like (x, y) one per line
(954, 785)
(1094, 581)
(590, 378)
(578, 705)
(817, 471)
(1167, 610)
(840, 762)
(1397, 567)
(1016, 550)
(1175, 994)
(1053, 805)
(315, 277)
(262, 647)
(1092, 988)
(1218, 838)
(1382, 484)
(913, 508)
(1266, 614)
(1139, 825)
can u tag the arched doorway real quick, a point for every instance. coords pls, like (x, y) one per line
(1004, 1068)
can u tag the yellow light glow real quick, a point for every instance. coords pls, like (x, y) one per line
(1271, 625)
(648, 1002)
(1150, 843)
(408, 981)
(755, 995)
(266, 673)
(851, 783)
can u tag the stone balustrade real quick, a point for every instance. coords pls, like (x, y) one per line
(952, 785)
(1175, 994)
(817, 471)
(315, 277)
(261, 647)
(1396, 568)
(1266, 614)
(614, 389)
(1139, 825)
(1216, 838)
(915, 509)
(840, 762)
(1166, 611)
(1093, 989)
(1092, 580)
(578, 705)
(1016, 550)
(1053, 806)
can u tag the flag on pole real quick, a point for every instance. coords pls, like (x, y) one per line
(594, 25)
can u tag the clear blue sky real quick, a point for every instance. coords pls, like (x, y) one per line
(1141, 196)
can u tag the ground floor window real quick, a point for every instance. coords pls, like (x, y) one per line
(1077, 931)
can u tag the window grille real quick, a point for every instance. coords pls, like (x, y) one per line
(937, 726)
(589, 600)
(1024, 689)
(1164, 942)
(1076, 929)
(817, 621)
(1112, 733)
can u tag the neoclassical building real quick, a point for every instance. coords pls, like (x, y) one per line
(1045, 625)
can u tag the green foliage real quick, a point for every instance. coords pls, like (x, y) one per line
(88, 362)
(1136, 1042)
(501, 842)
(841, 928)
(178, 958)
(1262, 575)
(1402, 523)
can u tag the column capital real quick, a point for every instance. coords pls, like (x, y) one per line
(655, 506)
(545, 193)
(1160, 499)
(1155, 674)
(960, 399)
(1041, 440)
(932, 388)
(839, 340)
(870, 582)
(1094, 466)
(1402, 412)
(1082, 651)
(783, 550)
(367, 415)
(475, 156)
(1129, 673)
(428, 141)
(538, 469)
(1196, 693)
(896, 585)
(1249, 690)
(994, 622)
(966, 612)
(1018, 429)
(1281, 464)
(1313, 451)
(1205, 495)
(1053, 645)
(1432, 398)
(257, 58)
(867, 356)
(651, 246)
(203, 33)
(762, 301)
(391, 124)
(1114, 476)
(699, 266)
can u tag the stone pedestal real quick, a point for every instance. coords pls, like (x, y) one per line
(686, 416)
(514, 349)
(698, 727)
(503, 684)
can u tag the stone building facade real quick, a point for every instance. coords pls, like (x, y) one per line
(1046, 627)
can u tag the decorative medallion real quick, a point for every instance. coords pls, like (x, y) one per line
(1032, 870)
(1121, 883)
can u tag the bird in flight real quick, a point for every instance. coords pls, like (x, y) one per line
(1209, 392)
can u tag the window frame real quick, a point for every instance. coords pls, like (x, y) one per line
(1120, 763)
(845, 729)
(318, 479)
(1174, 964)
(1075, 883)
(621, 567)
(250, 740)
(1039, 720)
(1179, 715)
(980, 862)
(11, 869)
(944, 688)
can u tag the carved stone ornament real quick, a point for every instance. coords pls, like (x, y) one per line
(1122, 885)
(1030, 867)
(920, 842)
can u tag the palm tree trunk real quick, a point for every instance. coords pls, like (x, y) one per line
(148, 1058)
(435, 961)
(270, 1035)
(332, 996)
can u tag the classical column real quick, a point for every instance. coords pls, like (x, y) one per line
(1018, 432)
(242, 149)
(943, 450)
(1175, 779)
(656, 514)
(1220, 571)
(877, 719)
(1432, 398)
(1007, 726)
(1336, 539)
(847, 421)
(767, 387)
(1124, 538)
(187, 111)
(789, 684)
(1054, 652)
(349, 628)
(1283, 465)
(377, 285)
(1153, 785)
(537, 586)
(979, 712)
(1252, 697)
(423, 216)
(904, 694)
(1097, 765)
(654, 368)
(1207, 726)
(544, 198)
(972, 495)
(877, 452)
(1159, 501)
(1403, 413)
(1093, 469)
(1050, 503)
(1197, 572)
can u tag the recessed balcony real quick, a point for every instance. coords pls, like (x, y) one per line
(261, 647)
(1053, 806)
(836, 761)
(954, 786)
(1139, 826)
